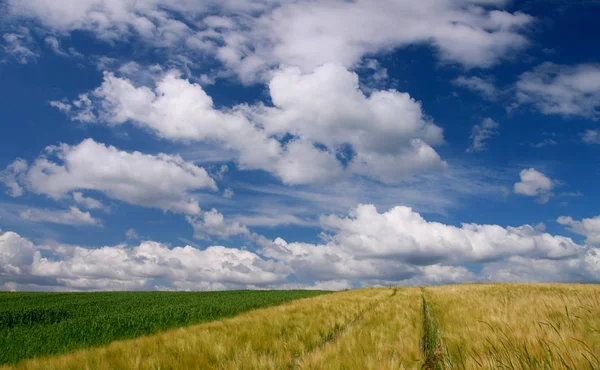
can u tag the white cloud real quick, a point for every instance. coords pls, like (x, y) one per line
(251, 37)
(213, 223)
(440, 274)
(335, 285)
(54, 44)
(534, 184)
(588, 227)
(309, 34)
(20, 46)
(480, 85)
(367, 247)
(228, 193)
(403, 233)
(11, 177)
(482, 132)
(162, 181)
(543, 143)
(141, 267)
(196, 119)
(62, 106)
(390, 136)
(585, 269)
(16, 254)
(86, 202)
(221, 172)
(591, 137)
(81, 109)
(570, 91)
(385, 135)
(399, 244)
(373, 75)
(131, 234)
(274, 220)
(109, 20)
(74, 216)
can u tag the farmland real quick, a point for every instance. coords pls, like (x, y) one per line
(34, 324)
(473, 326)
(513, 326)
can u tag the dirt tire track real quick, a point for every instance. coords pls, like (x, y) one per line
(337, 331)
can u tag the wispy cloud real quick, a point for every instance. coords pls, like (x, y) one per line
(481, 133)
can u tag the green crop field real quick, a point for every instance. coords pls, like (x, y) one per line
(37, 324)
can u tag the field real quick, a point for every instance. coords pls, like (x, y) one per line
(34, 324)
(512, 326)
(475, 326)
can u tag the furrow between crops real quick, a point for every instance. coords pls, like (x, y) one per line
(435, 353)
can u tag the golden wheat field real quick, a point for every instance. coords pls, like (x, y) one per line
(518, 326)
(474, 326)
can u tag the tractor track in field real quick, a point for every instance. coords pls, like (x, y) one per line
(434, 352)
(337, 330)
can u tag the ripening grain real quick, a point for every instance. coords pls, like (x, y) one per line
(271, 338)
(37, 324)
(387, 337)
(476, 326)
(519, 326)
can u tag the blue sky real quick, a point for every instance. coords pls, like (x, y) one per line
(310, 144)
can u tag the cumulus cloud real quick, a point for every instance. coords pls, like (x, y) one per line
(74, 216)
(162, 181)
(308, 34)
(570, 91)
(365, 248)
(482, 132)
(401, 232)
(534, 184)
(588, 227)
(16, 255)
(399, 245)
(321, 126)
(196, 119)
(140, 267)
(213, 223)
(386, 133)
(480, 85)
(252, 37)
(585, 269)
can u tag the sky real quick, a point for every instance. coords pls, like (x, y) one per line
(305, 144)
